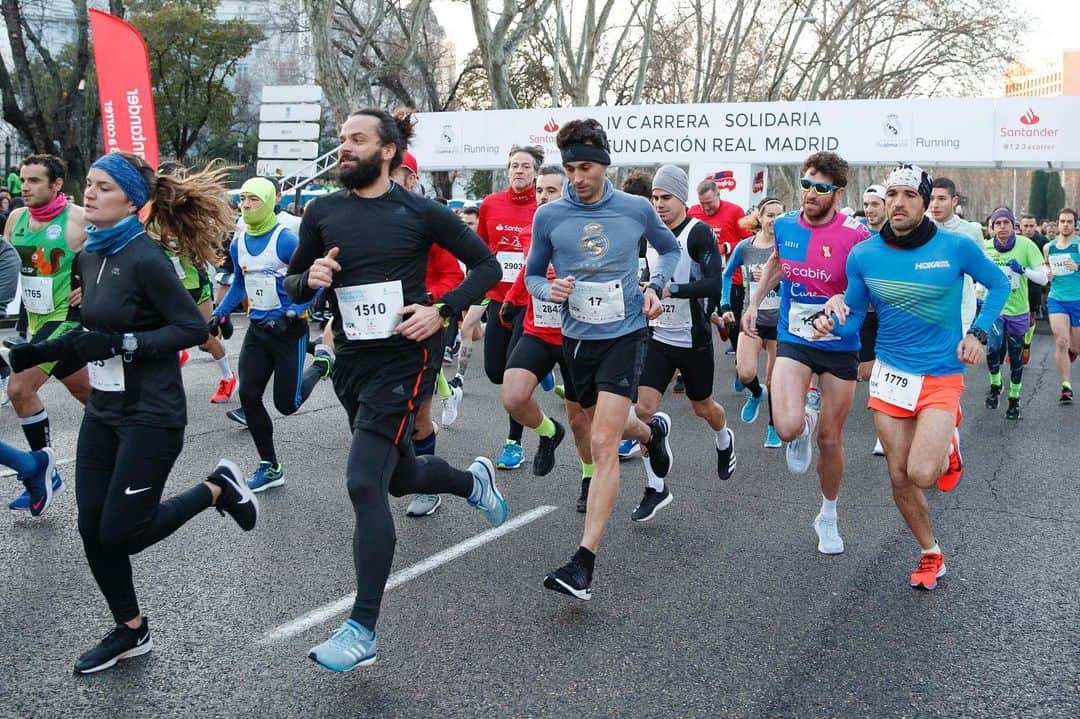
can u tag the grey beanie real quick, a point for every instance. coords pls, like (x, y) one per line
(672, 179)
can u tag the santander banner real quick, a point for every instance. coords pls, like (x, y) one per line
(127, 103)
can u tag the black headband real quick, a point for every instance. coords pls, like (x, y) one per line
(584, 152)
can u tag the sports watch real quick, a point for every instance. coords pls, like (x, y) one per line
(129, 345)
(978, 334)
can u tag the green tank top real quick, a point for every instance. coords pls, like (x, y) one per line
(185, 269)
(46, 270)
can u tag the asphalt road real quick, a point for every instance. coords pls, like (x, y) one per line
(719, 607)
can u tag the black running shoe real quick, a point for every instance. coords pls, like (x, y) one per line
(544, 459)
(583, 500)
(122, 642)
(993, 396)
(1066, 396)
(651, 503)
(236, 499)
(237, 415)
(680, 384)
(658, 445)
(571, 579)
(726, 459)
(1013, 412)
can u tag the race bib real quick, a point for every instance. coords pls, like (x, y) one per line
(512, 263)
(370, 312)
(547, 314)
(1014, 279)
(178, 267)
(262, 291)
(597, 303)
(107, 375)
(1058, 264)
(771, 301)
(676, 315)
(800, 324)
(37, 295)
(642, 268)
(896, 387)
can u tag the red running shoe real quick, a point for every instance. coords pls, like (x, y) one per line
(225, 389)
(931, 568)
(184, 357)
(948, 481)
(1025, 354)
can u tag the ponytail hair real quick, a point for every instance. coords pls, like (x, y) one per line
(188, 210)
(752, 221)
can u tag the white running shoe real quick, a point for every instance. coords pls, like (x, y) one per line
(450, 406)
(5, 400)
(829, 541)
(879, 451)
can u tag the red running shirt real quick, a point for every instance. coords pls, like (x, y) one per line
(725, 223)
(506, 226)
(443, 272)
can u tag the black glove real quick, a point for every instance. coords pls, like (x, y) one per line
(214, 325)
(95, 346)
(226, 328)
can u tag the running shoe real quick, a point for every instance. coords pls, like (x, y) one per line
(931, 568)
(659, 444)
(1013, 410)
(828, 533)
(225, 389)
(5, 399)
(752, 408)
(680, 384)
(629, 448)
(651, 503)
(458, 381)
(813, 402)
(737, 386)
(993, 396)
(184, 357)
(544, 459)
(122, 642)
(512, 457)
(571, 579)
(352, 645)
(772, 439)
(236, 499)
(560, 391)
(450, 406)
(39, 484)
(726, 459)
(490, 502)
(948, 481)
(324, 360)
(879, 451)
(1066, 396)
(447, 356)
(266, 476)
(1025, 354)
(800, 453)
(22, 502)
(424, 505)
(583, 498)
(237, 415)
(548, 382)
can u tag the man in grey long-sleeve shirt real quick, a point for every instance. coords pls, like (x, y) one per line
(590, 236)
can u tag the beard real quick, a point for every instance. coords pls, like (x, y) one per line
(819, 213)
(363, 173)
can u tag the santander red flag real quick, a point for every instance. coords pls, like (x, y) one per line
(127, 103)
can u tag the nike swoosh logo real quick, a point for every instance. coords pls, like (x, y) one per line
(129, 491)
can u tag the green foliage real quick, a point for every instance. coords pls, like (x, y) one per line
(480, 185)
(1055, 196)
(192, 54)
(1037, 195)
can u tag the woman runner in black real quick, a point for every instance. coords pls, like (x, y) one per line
(138, 316)
(368, 245)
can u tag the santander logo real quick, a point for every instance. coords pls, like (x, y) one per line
(1029, 118)
(551, 126)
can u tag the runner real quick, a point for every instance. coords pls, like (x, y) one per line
(138, 316)
(681, 337)
(919, 373)
(472, 327)
(943, 202)
(1063, 303)
(389, 346)
(506, 225)
(275, 344)
(1018, 257)
(47, 234)
(750, 256)
(1029, 228)
(723, 217)
(590, 237)
(811, 249)
(874, 208)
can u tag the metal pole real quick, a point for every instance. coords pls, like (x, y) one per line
(556, 89)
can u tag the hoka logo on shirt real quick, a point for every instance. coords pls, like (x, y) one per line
(934, 265)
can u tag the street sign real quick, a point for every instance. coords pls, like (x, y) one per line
(288, 150)
(295, 112)
(281, 168)
(292, 93)
(288, 131)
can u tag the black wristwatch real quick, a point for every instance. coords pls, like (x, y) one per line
(978, 334)
(129, 344)
(445, 310)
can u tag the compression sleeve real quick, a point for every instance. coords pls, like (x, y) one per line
(1037, 275)
(184, 326)
(701, 247)
(536, 264)
(982, 269)
(308, 249)
(856, 297)
(734, 262)
(450, 232)
(235, 295)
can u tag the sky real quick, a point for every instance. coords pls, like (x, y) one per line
(1054, 25)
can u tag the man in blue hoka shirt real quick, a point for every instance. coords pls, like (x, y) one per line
(590, 236)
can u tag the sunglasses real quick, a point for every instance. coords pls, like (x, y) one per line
(822, 188)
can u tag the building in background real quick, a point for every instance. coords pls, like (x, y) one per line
(1051, 78)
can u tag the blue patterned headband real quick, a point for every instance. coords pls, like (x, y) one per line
(127, 176)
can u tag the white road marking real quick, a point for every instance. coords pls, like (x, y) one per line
(328, 611)
(59, 463)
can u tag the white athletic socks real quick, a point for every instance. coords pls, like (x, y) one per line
(723, 439)
(223, 365)
(655, 482)
(828, 507)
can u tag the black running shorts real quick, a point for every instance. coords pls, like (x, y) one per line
(695, 363)
(842, 365)
(612, 365)
(540, 357)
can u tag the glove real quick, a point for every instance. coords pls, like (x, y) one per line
(217, 324)
(1015, 266)
(227, 328)
(507, 313)
(95, 346)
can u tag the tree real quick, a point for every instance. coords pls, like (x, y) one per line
(1055, 196)
(497, 43)
(1040, 180)
(192, 55)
